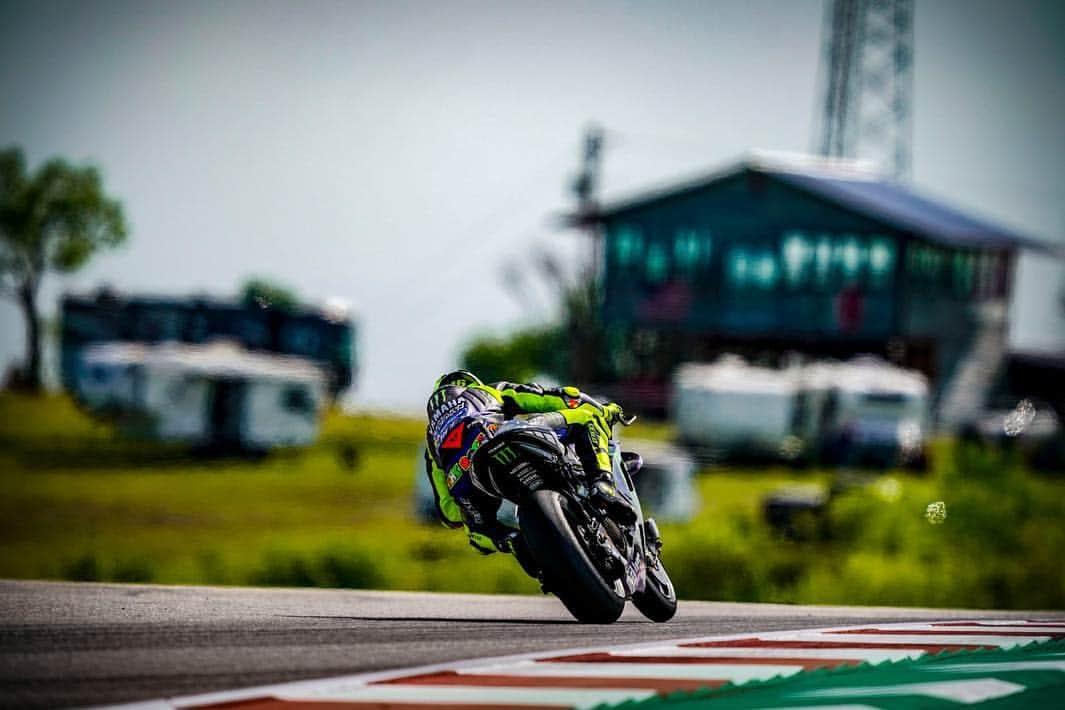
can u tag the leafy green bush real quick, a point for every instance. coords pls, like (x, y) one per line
(89, 568)
(999, 545)
(351, 567)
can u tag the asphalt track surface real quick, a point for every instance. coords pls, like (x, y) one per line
(72, 644)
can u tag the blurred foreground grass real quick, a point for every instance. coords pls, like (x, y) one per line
(80, 503)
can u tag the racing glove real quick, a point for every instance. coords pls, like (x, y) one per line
(481, 542)
(486, 544)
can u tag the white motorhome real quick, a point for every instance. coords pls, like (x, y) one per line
(203, 395)
(863, 410)
(732, 406)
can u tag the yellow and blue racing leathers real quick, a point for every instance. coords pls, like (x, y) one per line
(458, 502)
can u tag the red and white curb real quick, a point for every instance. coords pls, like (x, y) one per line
(584, 678)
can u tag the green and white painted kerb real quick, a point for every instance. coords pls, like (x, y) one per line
(991, 663)
(1031, 676)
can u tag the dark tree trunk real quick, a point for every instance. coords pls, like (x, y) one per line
(31, 366)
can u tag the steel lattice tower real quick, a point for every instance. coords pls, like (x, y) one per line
(867, 82)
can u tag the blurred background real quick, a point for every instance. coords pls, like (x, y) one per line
(819, 248)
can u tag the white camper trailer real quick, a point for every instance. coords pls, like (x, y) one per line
(860, 411)
(865, 410)
(732, 406)
(204, 395)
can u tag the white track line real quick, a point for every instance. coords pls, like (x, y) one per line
(1005, 666)
(709, 672)
(1051, 623)
(984, 629)
(904, 639)
(867, 655)
(464, 695)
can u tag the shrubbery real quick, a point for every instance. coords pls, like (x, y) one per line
(998, 547)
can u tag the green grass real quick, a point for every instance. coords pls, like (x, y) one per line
(81, 503)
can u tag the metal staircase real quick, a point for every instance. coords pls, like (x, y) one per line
(966, 391)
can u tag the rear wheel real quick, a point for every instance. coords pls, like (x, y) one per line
(567, 570)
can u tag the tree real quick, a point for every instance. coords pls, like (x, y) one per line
(516, 358)
(265, 293)
(54, 219)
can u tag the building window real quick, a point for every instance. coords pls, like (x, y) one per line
(251, 331)
(296, 398)
(881, 261)
(934, 258)
(754, 269)
(964, 264)
(302, 339)
(797, 258)
(657, 266)
(1002, 275)
(850, 257)
(691, 250)
(988, 276)
(737, 267)
(627, 246)
(925, 264)
(823, 261)
(765, 270)
(829, 261)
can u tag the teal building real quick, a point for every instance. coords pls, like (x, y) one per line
(771, 256)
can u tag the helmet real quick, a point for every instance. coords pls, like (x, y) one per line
(458, 378)
(448, 387)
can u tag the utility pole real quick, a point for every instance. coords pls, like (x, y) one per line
(586, 185)
(867, 76)
(583, 303)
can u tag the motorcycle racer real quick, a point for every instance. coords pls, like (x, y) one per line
(460, 397)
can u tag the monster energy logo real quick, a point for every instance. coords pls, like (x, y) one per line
(504, 455)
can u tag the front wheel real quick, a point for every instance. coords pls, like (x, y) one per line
(658, 600)
(567, 571)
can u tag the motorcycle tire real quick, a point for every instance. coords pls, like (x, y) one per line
(658, 600)
(567, 570)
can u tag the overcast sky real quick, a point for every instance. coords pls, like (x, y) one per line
(400, 155)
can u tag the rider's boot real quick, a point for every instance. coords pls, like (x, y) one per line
(604, 491)
(592, 452)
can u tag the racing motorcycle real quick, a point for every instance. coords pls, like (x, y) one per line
(591, 559)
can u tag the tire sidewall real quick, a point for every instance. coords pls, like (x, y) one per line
(568, 571)
(651, 602)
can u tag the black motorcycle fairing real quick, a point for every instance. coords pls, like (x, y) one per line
(517, 461)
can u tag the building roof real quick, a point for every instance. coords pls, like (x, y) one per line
(856, 187)
(334, 310)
